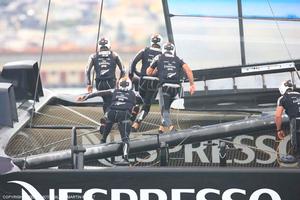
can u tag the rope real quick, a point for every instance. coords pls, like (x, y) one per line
(40, 63)
(283, 39)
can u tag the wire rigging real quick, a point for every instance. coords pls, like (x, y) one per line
(80, 114)
(282, 38)
(40, 64)
(61, 118)
(236, 17)
(98, 34)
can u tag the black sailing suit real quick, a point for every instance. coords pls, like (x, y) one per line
(147, 85)
(104, 63)
(119, 111)
(169, 70)
(290, 101)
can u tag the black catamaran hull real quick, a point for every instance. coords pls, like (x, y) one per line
(155, 183)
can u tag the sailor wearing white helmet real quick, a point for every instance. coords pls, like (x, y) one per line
(120, 111)
(169, 69)
(289, 101)
(147, 85)
(104, 63)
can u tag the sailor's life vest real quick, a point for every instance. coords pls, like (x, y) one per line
(123, 100)
(105, 65)
(169, 69)
(291, 103)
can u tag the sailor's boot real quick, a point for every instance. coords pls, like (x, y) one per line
(166, 129)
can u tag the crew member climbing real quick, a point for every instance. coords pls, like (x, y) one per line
(122, 111)
(169, 67)
(290, 103)
(104, 63)
(148, 85)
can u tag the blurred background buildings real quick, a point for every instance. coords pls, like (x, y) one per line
(203, 42)
(72, 33)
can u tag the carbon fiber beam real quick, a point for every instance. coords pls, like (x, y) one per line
(186, 136)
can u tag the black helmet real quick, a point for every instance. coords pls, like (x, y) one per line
(156, 39)
(104, 43)
(169, 48)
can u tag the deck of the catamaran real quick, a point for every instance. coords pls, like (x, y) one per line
(50, 131)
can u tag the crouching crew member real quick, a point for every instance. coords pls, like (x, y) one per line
(169, 67)
(290, 103)
(148, 85)
(124, 101)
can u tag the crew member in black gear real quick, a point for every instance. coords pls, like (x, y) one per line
(104, 63)
(290, 103)
(148, 85)
(123, 104)
(169, 69)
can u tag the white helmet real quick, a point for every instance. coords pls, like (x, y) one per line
(168, 48)
(156, 39)
(104, 43)
(125, 84)
(285, 85)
